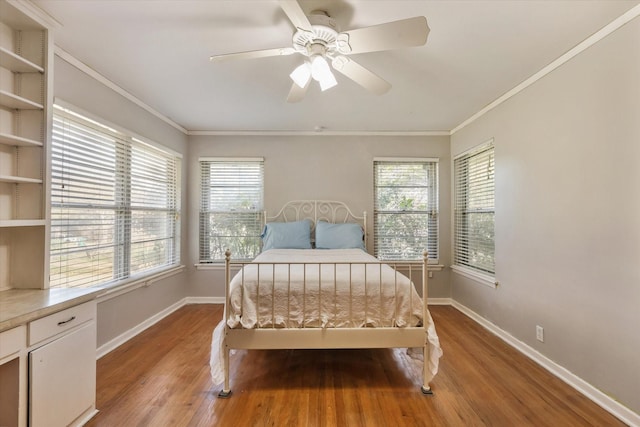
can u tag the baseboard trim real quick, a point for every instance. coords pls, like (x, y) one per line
(612, 406)
(439, 301)
(204, 300)
(122, 338)
(85, 417)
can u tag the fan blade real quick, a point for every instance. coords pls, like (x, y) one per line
(360, 75)
(297, 93)
(253, 54)
(296, 14)
(392, 35)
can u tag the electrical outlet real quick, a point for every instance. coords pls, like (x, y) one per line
(539, 333)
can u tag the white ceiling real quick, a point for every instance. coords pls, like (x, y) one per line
(477, 50)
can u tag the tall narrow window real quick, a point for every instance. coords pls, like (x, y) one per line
(154, 208)
(474, 210)
(405, 208)
(115, 204)
(231, 209)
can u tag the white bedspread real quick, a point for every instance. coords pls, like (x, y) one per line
(388, 299)
(378, 296)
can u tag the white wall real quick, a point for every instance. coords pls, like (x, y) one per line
(568, 215)
(120, 314)
(317, 167)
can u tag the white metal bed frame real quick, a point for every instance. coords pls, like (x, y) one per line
(330, 337)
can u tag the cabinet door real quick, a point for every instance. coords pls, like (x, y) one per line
(63, 378)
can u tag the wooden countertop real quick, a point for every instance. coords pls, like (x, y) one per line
(20, 306)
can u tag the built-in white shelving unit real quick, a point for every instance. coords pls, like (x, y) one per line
(26, 56)
(47, 365)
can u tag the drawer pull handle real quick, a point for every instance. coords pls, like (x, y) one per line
(67, 321)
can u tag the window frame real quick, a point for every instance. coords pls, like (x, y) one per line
(126, 146)
(432, 213)
(461, 211)
(255, 218)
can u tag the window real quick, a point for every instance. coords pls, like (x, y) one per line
(405, 217)
(474, 210)
(231, 210)
(115, 204)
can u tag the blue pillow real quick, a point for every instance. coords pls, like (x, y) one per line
(287, 235)
(339, 236)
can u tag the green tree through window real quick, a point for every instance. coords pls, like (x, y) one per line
(405, 209)
(231, 212)
(474, 184)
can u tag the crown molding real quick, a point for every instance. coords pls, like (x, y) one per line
(322, 132)
(66, 56)
(614, 25)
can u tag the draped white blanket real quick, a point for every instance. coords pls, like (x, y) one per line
(292, 290)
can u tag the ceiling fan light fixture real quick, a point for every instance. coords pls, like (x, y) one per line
(301, 75)
(319, 39)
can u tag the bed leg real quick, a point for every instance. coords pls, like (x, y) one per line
(426, 389)
(226, 390)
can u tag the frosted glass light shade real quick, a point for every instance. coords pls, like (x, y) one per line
(301, 75)
(321, 72)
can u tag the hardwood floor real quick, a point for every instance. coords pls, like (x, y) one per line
(161, 378)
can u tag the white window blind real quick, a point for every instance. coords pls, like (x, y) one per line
(405, 209)
(114, 204)
(474, 210)
(154, 208)
(231, 210)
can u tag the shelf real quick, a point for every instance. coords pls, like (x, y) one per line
(9, 223)
(11, 100)
(18, 141)
(17, 64)
(19, 179)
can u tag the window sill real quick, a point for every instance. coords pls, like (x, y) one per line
(483, 279)
(113, 291)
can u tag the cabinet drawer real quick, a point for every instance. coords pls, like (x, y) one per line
(12, 341)
(61, 321)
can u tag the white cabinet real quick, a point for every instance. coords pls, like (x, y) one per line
(48, 369)
(26, 53)
(12, 376)
(62, 367)
(63, 379)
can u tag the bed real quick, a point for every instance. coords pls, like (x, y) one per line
(315, 286)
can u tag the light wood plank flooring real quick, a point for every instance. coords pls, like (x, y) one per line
(161, 378)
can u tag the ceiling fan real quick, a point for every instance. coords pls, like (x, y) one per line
(318, 38)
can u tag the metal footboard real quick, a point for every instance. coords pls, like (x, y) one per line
(280, 334)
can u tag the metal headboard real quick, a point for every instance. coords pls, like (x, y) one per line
(319, 210)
